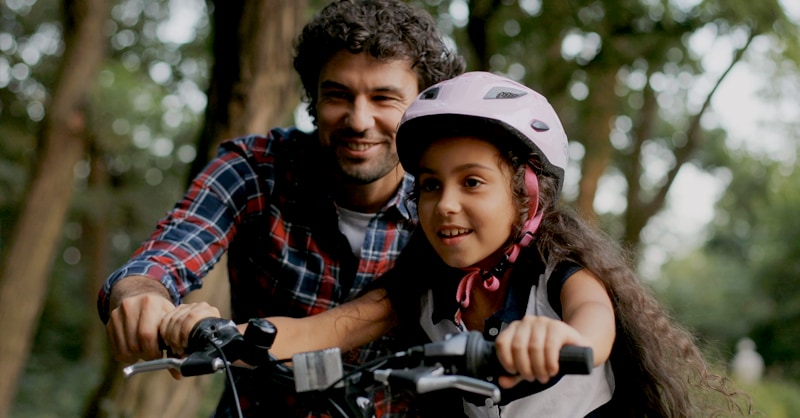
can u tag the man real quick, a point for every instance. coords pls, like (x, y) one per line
(308, 220)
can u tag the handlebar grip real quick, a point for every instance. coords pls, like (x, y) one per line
(482, 361)
(573, 359)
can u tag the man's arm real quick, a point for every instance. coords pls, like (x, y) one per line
(134, 286)
(186, 244)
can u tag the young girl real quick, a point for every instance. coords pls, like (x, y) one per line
(502, 257)
(497, 254)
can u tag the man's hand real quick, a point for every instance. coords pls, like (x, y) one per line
(138, 303)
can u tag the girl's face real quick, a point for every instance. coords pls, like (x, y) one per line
(466, 208)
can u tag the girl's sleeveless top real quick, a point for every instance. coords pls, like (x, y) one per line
(573, 395)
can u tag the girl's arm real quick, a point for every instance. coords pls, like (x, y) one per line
(530, 347)
(587, 307)
(346, 326)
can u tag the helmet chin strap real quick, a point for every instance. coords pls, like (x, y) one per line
(489, 278)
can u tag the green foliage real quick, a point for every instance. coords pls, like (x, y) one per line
(746, 280)
(55, 389)
(776, 398)
(656, 55)
(714, 295)
(147, 111)
(22, 98)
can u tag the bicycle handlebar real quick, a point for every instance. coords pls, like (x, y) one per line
(463, 361)
(471, 355)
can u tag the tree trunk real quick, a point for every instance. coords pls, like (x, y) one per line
(481, 13)
(27, 265)
(252, 82)
(598, 146)
(95, 246)
(252, 87)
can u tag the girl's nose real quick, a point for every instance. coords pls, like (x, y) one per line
(448, 202)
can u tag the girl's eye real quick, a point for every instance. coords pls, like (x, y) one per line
(428, 185)
(472, 183)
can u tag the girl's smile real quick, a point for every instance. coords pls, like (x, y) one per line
(466, 208)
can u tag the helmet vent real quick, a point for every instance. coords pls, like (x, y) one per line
(503, 93)
(430, 94)
(539, 126)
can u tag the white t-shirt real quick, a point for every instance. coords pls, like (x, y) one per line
(354, 226)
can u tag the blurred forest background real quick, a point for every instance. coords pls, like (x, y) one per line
(682, 114)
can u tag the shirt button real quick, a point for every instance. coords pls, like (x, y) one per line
(493, 332)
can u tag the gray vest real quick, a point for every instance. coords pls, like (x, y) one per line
(573, 396)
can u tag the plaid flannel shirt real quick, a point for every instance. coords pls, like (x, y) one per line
(266, 200)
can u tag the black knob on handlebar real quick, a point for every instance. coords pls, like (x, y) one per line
(222, 332)
(260, 333)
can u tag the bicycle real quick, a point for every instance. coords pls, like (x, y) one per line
(465, 362)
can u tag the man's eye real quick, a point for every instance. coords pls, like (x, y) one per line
(336, 94)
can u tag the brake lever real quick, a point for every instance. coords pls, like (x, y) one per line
(462, 383)
(195, 364)
(151, 366)
(426, 379)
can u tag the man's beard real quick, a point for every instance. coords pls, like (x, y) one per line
(366, 172)
(360, 171)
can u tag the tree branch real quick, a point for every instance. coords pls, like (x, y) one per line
(694, 135)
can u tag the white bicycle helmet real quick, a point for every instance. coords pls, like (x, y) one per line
(488, 106)
(484, 105)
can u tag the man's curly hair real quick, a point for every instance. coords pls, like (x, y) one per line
(386, 29)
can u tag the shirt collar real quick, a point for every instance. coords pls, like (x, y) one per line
(400, 202)
(402, 199)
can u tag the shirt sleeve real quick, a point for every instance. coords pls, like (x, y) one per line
(192, 237)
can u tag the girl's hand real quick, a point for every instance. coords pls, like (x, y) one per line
(529, 348)
(177, 324)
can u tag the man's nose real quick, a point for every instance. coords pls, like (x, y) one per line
(361, 116)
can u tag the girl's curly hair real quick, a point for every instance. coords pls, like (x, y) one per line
(659, 370)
